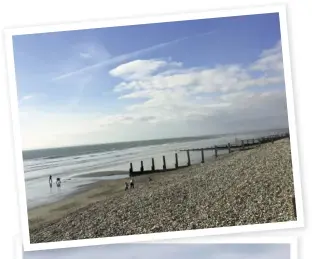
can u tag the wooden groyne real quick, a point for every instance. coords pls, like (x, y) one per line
(154, 170)
(244, 145)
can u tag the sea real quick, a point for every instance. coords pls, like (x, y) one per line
(77, 165)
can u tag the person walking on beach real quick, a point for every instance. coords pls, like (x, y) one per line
(50, 181)
(126, 186)
(131, 184)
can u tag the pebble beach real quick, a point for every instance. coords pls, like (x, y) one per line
(245, 187)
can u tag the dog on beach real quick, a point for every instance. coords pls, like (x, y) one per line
(131, 184)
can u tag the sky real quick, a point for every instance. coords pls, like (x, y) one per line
(163, 251)
(150, 81)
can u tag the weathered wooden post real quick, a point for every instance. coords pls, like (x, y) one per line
(130, 170)
(153, 165)
(176, 159)
(242, 144)
(164, 161)
(216, 151)
(229, 147)
(142, 167)
(202, 155)
(188, 158)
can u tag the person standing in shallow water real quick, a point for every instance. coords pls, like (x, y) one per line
(50, 180)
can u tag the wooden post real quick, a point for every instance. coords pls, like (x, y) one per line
(142, 167)
(153, 165)
(176, 159)
(202, 155)
(243, 144)
(229, 147)
(216, 151)
(131, 169)
(188, 158)
(164, 160)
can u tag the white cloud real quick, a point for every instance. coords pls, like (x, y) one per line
(170, 114)
(141, 81)
(31, 98)
(92, 50)
(240, 109)
(85, 55)
(180, 94)
(271, 60)
(106, 121)
(138, 69)
(26, 97)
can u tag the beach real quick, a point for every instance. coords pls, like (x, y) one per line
(246, 187)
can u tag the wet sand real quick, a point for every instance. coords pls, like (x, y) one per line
(88, 194)
(101, 174)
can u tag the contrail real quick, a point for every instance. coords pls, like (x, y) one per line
(127, 56)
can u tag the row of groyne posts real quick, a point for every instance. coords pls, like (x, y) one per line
(244, 144)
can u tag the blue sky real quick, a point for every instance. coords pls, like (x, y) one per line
(150, 81)
(155, 251)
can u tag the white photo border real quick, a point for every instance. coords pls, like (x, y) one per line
(9, 33)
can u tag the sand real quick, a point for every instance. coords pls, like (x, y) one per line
(247, 187)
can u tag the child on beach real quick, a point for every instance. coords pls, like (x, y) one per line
(58, 182)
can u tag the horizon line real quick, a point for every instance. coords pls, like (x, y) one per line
(167, 138)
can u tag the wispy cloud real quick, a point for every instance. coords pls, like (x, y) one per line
(127, 56)
(85, 55)
(92, 51)
(25, 98)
